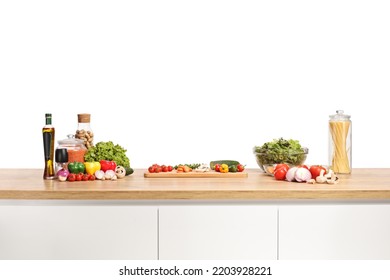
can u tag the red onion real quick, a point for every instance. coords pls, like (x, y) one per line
(62, 175)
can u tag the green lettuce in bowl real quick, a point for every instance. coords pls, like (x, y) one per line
(279, 151)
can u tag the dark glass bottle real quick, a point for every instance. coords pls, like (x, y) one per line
(48, 133)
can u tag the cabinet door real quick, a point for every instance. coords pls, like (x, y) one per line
(334, 232)
(218, 232)
(78, 232)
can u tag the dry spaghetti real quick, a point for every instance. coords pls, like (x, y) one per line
(340, 162)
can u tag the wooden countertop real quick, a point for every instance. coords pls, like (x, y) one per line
(28, 184)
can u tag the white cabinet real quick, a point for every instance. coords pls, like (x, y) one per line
(218, 232)
(334, 232)
(78, 232)
(108, 230)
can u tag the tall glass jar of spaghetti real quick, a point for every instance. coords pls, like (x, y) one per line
(340, 143)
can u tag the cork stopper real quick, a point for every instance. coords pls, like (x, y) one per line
(84, 118)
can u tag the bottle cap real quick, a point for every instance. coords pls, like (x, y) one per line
(84, 118)
(62, 155)
(48, 118)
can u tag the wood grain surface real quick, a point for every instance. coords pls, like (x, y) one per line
(28, 184)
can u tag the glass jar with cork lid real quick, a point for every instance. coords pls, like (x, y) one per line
(84, 131)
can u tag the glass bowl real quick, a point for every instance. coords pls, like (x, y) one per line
(267, 161)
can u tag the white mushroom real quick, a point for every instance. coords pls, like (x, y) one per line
(333, 179)
(321, 179)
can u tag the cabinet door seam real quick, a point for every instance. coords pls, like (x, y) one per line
(158, 233)
(277, 234)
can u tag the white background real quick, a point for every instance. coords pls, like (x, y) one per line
(194, 81)
(107, 269)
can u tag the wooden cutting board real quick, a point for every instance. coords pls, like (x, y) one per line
(209, 174)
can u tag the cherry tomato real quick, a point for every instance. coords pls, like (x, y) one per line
(315, 170)
(79, 176)
(92, 177)
(240, 167)
(71, 177)
(85, 177)
(156, 168)
(280, 174)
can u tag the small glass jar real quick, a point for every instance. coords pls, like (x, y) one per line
(84, 131)
(75, 148)
(340, 143)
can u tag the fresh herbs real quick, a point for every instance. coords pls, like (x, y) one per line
(108, 151)
(281, 151)
(190, 165)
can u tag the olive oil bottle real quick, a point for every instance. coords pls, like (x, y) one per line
(48, 133)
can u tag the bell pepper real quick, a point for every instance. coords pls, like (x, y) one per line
(92, 167)
(107, 165)
(76, 167)
(224, 168)
(233, 168)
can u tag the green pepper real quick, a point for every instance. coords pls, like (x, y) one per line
(76, 167)
(233, 168)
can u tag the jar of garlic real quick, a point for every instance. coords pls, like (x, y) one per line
(84, 131)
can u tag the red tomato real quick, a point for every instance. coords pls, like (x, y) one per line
(158, 169)
(170, 168)
(304, 166)
(315, 170)
(282, 165)
(92, 177)
(240, 167)
(164, 168)
(71, 177)
(217, 167)
(152, 169)
(79, 176)
(280, 173)
(85, 177)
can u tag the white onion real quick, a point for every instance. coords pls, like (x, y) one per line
(290, 175)
(99, 174)
(109, 174)
(302, 175)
